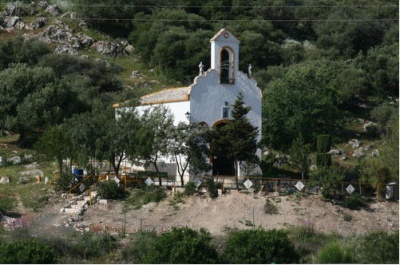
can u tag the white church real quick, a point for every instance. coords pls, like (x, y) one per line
(209, 99)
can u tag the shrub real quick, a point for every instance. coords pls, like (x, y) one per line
(270, 208)
(378, 247)
(144, 196)
(92, 245)
(110, 190)
(27, 251)
(355, 201)
(190, 189)
(333, 253)
(259, 246)
(182, 245)
(141, 244)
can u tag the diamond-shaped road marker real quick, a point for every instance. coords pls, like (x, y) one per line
(350, 189)
(299, 185)
(148, 181)
(248, 183)
(198, 182)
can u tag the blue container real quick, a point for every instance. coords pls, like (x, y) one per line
(78, 172)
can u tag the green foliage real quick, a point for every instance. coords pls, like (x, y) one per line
(190, 189)
(139, 197)
(377, 247)
(323, 143)
(333, 252)
(329, 179)
(182, 245)
(304, 102)
(211, 188)
(111, 190)
(259, 246)
(27, 251)
(141, 244)
(90, 245)
(355, 202)
(270, 208)
(20, 51)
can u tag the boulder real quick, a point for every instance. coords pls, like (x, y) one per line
(42, 5)
(12, 22)
(15, 160)
(34, 165)
(24, 180)
(32, 173)
(53, 10)
(135, 74)
(109, 48)
(12, 9)
(38, 23)
(4, 180)
(358, 153)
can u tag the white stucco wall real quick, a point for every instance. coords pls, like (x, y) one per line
(178, 109)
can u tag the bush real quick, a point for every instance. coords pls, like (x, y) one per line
(190, 189)
(27, 251)
(110, 190)
(183, 246)
(92, 245)
(259, 246)
(355, 202)
(140, 246)
(141, 197)
(333, 253)
(378, 248)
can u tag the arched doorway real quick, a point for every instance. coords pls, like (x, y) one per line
(222, 164)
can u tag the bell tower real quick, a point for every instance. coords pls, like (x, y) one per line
(225, 56)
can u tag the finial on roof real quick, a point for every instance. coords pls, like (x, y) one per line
(201, 68)
(249, 71)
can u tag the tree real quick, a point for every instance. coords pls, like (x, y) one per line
(157, 123)
(259, 246)
(187, 144)
(299, 155)
(328, 179)
(55, 143)
(237, 139)
(30, 99)
(305, 101)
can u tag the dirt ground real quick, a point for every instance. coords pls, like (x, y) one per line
(231, 211)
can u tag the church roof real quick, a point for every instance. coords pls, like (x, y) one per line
(226, 33)
(166, 96)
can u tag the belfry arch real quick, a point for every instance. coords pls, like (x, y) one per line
(227, 66)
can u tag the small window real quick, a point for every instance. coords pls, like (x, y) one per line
(226, 112)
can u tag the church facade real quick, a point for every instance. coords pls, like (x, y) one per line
(209, 99)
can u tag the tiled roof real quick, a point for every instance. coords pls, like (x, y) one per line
(166, 96)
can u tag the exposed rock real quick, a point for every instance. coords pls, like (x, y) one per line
(335, 152)
(358, 153)
(32, 173)
(66, 49)
(375, 152)
(135, 74)
(34, 165)
(12, 9)
(4, 180)
(129, 49)
(42, 4)
(354, 143)
(1, 160)
(53, 10)
(12, 22)
(109, 48)
(38, 23)
(23, 180)
(84, 40)
(368, 125)
(15, 160)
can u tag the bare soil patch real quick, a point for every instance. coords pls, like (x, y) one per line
(231, 211)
